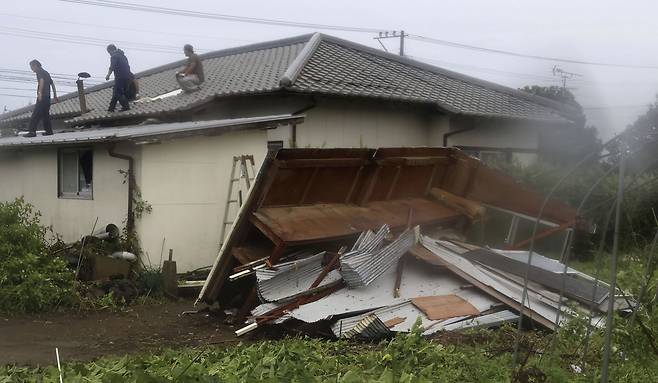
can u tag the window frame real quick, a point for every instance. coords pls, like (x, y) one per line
(61, 194)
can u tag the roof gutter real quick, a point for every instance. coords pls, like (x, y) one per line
(130, 221)
(450, 134)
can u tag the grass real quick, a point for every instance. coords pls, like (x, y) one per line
(475, 356)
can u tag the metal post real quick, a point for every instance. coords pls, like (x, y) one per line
(613, 270)
(511, 233)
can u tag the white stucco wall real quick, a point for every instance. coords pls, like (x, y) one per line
(361, 124)
(32, 173)
(186, 183)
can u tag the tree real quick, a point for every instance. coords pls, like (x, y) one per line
(560, 146)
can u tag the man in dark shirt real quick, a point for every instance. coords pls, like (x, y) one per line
(41, 112)
(192, 75)
(122, 78)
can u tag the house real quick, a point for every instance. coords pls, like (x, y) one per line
(173, 151)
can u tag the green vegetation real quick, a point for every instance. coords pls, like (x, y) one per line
(30, 279)
(34, 276)
(477, 356)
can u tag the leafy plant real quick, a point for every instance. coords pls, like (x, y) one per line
(31, 280)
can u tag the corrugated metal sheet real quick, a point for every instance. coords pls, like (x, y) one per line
(369, 326)
(417, 280)
(144, 132)
(361, 269)
(292, 279)
(488, 320)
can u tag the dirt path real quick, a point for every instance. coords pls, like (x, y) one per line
(32, 340)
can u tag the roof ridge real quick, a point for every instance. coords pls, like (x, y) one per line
(292, 73)
(209, 55)
(560, 107)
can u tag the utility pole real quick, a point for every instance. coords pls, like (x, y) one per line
(392, 35)
(564, 76)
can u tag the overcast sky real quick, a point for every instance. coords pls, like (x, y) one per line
(586, 30)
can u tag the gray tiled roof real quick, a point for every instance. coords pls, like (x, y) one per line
(338, 69)
(317, 64)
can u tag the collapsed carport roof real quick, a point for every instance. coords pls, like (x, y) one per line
(306, 196)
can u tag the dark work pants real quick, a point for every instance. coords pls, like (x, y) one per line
(41, 113)
(119, 93)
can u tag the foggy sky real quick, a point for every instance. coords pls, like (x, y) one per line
(591, 30)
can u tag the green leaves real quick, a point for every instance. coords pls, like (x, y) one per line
(30, 279)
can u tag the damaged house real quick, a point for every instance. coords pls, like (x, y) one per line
(162, 169)
(368, 241)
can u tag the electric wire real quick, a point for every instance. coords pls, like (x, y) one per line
(219, 16)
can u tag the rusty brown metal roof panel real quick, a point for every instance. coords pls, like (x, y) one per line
(323, 222)
(304, 196)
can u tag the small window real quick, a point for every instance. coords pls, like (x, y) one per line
(75, 173)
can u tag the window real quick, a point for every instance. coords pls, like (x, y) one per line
(75, 173)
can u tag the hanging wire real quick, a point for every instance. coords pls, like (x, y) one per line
(648, 274)
(549, 195)
(566, 256)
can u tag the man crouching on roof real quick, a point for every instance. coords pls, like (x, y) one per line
(192, 75)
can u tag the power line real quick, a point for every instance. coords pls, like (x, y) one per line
(523, 55)
(494, 71)
(15, 95)
(115, 28)
(28, 33)
(219, 16)
(278, 22)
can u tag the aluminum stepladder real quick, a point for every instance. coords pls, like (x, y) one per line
(234, 181)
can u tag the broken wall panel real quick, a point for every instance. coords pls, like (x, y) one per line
(444, 306)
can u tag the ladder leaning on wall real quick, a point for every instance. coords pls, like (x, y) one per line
(245, 175)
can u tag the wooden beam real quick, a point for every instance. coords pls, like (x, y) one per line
(265, 230)
(370, 187)
(320, 162)
(354, 183)
(391, 189)
(309, 183)
(541, 235)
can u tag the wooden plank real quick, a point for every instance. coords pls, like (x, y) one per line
(323, 162)
(470, 208)
(391, 189)
(315, 223)
(412, 161)
(444, 307)
(394, 322)
(265, 229)
(309, 183)
(543, 234)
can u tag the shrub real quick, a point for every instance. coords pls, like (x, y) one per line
(31, 280)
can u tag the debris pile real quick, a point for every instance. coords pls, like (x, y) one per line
(368, 242)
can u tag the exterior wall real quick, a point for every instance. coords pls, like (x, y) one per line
(186, 180)
(32, 173)
(186, 183)
(519, 138)
(362, 124)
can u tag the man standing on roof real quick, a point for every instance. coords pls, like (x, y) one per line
(122, 78)
(41, 111)
(192, 75)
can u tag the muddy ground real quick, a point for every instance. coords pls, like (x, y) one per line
(86, 336)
